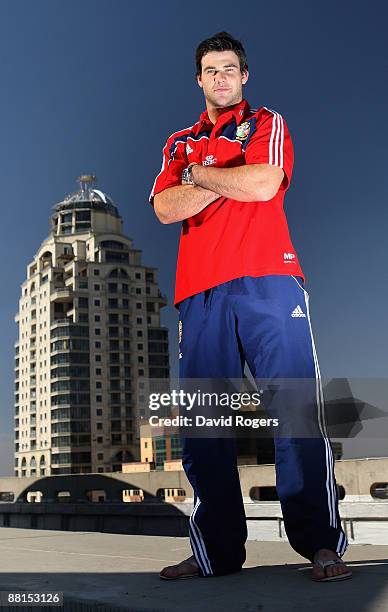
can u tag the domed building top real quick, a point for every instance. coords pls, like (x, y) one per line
(87, 197)
(86, 210)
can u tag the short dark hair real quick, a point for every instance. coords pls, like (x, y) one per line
(222, 41)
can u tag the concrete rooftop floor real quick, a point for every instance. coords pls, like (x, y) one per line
(100, 571)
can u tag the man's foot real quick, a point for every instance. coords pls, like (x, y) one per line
(185, 569)
(324, 571)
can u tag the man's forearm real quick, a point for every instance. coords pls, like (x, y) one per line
(248, 183)
(181, 202)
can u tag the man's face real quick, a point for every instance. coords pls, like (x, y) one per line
(221, 78)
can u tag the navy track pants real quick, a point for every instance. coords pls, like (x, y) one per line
(265, 322)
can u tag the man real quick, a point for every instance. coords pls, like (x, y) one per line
(240, 293)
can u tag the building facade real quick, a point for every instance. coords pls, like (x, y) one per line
(159, 445)
(90, 339)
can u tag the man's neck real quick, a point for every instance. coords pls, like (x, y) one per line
(215, 112)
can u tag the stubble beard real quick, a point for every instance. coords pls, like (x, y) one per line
(235, 99)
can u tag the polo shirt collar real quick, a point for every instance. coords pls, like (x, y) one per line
(237, 112)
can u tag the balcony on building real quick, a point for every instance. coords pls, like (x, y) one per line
(63, 294)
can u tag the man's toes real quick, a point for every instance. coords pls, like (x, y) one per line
(338, 569)
(318, 572)
(168, 571)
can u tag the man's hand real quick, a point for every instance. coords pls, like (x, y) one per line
(248, 183)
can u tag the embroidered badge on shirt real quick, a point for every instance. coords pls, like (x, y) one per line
(242, 131)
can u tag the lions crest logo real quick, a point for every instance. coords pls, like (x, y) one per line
(243, 131)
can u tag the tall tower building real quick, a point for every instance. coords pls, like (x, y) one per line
(89, 340)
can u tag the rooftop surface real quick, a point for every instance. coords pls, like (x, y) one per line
(100, 571)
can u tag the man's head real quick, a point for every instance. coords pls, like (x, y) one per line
(222, 70)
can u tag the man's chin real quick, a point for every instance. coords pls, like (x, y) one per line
(221, 102)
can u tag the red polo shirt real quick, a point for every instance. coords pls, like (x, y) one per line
(230, 239)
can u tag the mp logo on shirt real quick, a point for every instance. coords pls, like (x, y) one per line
(289, 257)
(209, 160)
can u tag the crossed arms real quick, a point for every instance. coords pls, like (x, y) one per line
(248, 183)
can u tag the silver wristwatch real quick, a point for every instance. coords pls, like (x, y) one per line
(187, 178)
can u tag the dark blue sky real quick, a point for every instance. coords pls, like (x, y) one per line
(97, 86)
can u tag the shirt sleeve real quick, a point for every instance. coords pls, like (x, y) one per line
(173, 163)
(271, 144)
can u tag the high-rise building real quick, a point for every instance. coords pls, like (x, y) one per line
(89, 341)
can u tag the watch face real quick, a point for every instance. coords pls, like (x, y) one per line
(186, 177)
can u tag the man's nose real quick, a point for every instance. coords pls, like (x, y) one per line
(219, 76)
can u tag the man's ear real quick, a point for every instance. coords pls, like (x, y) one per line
(245, 76)
(199, 80)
